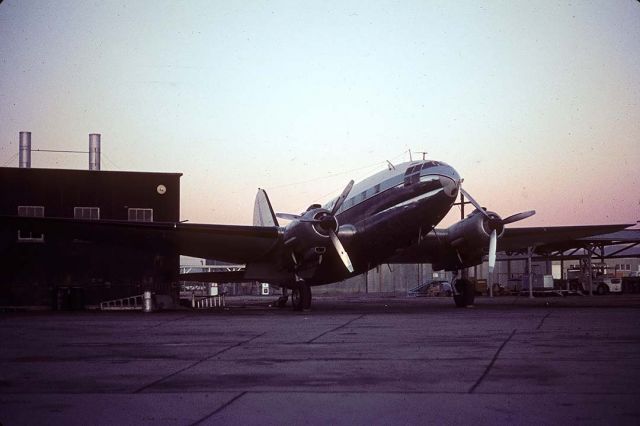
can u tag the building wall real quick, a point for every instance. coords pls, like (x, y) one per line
(65, 273)
(395, 279)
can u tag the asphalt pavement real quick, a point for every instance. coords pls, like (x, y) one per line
(355, 360)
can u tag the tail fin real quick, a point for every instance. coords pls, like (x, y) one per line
(262, 211)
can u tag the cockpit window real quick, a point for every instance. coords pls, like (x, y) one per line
(431, 164)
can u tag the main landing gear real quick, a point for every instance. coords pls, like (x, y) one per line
(463, 292)
(300, 297)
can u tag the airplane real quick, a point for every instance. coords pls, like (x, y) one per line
(389, 217)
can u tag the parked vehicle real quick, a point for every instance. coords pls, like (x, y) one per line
(433, 288)
(604, 285)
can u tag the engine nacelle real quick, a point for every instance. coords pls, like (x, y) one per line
(307, 238)
(470, 237)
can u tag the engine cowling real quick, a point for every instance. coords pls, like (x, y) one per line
(308, 239)
(471, 236)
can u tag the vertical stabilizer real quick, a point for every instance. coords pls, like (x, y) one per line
(263, 214)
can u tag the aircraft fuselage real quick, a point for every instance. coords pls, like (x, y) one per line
(386, 213)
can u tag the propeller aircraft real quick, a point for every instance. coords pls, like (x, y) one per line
(389, 217)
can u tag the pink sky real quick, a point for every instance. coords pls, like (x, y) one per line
(536, 104)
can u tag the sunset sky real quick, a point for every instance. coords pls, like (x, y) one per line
(536, 104)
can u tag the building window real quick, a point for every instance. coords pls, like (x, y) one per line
(30, 211)
(92, 213)
(141, 215)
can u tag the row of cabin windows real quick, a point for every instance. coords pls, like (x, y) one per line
(390, 183)
(411, 176)
(89, 213)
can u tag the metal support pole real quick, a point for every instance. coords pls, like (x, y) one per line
(366, 281)
(590, 269)
(530, 271)
(148, 305)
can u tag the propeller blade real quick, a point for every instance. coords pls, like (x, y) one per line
(342, 197)
(518, 216)
(492, 250)
(475, 204)
(288, 216)
(341, 252)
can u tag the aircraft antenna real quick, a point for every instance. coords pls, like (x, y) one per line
(424, 154)
(390, 165)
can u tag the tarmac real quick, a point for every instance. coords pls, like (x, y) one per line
(352, 360)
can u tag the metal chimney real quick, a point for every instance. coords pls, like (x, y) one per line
(94, 151)
(25, 150)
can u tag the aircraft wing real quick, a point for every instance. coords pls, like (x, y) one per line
(230, 243)
(436, 247)
(552, 238)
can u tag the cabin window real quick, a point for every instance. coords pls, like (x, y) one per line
(91, 213)
(141, 215)
(28, 236)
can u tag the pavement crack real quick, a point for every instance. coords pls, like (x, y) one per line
(542, 321)
(220, 352)
(222, 407)
(335, 329)
(493, 360)
(164, 322)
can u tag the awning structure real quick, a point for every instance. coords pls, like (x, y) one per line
(620, 244)
(614, 245)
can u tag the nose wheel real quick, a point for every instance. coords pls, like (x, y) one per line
(301, 297)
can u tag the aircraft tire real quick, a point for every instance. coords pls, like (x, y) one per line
(466, 293)
(296, 299)
(306, 297)
(301, 297)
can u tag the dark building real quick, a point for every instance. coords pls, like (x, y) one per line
(66, 273)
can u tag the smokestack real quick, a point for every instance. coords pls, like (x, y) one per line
(94, 151)
(25, 150)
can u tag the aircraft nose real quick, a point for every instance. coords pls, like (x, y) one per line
(450, 186)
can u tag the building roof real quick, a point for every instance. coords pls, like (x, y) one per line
(83, 171)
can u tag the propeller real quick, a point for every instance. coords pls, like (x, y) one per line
(288, 216)
(495, 223)
(518, 216)
(332, 233)
(341, 251)
(328, 222)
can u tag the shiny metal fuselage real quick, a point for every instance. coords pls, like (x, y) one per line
(390, 211)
